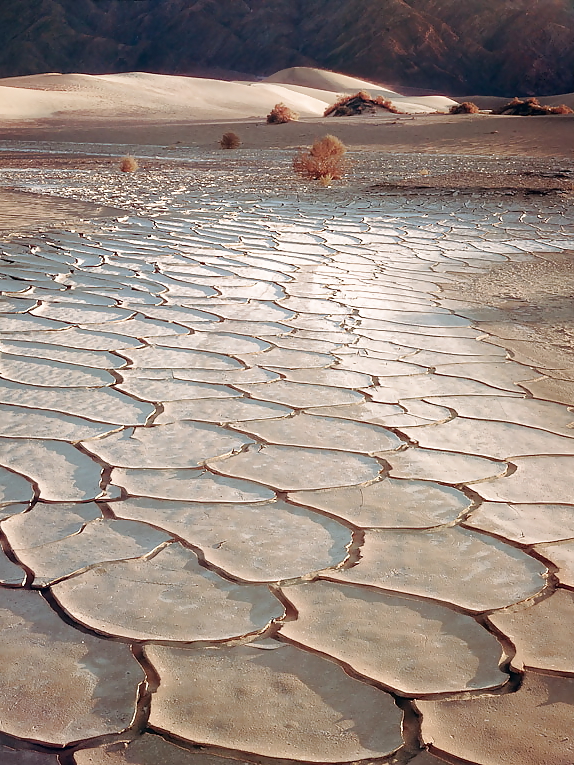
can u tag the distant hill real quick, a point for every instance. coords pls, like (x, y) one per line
(494, 47)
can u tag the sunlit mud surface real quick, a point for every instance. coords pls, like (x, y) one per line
(265, 497)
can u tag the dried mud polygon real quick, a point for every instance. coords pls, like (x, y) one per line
(248, 435)
(285, 703)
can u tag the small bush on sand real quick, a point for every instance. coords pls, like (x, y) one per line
(128, 164)
(466, 107)
(360, 103)
(326, 180)
(530, 107)
(230, 141)
(325, 161)
(561, 109)
(280, 114)
(384, 103)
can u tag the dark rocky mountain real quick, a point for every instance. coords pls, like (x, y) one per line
(498, 47)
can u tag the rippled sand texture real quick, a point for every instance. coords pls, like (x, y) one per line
(245, 439)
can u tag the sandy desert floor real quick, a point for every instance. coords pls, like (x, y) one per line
(286, 471)
(475, 134)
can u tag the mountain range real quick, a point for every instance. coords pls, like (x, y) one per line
(495, 47)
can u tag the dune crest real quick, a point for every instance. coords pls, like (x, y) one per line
(144, 95)
(322, 79)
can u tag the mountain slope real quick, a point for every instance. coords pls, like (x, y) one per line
(502, 47)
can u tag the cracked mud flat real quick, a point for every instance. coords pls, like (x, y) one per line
(266, 495)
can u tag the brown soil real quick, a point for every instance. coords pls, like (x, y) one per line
(529, 182)
(473, 134)
(528, 308)
(24, 212)
(56, 161)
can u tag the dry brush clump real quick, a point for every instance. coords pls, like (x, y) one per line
(560, 109)
(530, 107)
(325, 161)
(326, 180)
(280, 114)
(230, 141)
(128, 164)
(360, 103)
(466, 107)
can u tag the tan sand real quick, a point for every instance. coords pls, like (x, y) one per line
(325, 80)
(27, 212)
(474, 134)
(141, 95)
(144, 95)
(493, 102)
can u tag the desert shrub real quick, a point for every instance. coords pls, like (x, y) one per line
(326, 180)
(339, 108)
(360, 103)
(281, 114)
(324, 161)
(386, 104)
(230, 141)
(128, 164)
(561, 109)
(466, 107)
(518, 107)
(530, 107)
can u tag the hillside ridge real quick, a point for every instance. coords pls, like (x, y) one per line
(494, 47)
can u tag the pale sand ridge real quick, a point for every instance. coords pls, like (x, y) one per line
(323, 80)
(142, 95)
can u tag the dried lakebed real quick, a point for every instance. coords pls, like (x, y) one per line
(265, 498)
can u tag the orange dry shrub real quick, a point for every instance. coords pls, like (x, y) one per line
(128, 164)
(466, 107)
(326, 180)
(530, 107)
(325, 160)
(388, 105)
(280, 114)
(561, 109)
(360, 103)
(230, 141)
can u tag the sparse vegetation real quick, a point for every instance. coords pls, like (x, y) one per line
(280, 114)
(129, 164)
(326, 180)
(361, 103)
(466, 107)
(230, 141)
(325, 161)
(530, 107)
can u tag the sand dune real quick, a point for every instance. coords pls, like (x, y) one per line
(329, 81)
(138, 94)
(332, 83)
(142, 95)
(166, 98)
(493, 102)
(20, 104)
(565, 98)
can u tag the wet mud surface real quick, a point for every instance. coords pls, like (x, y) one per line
(273, 485)
(529, 309)
(34, 212)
